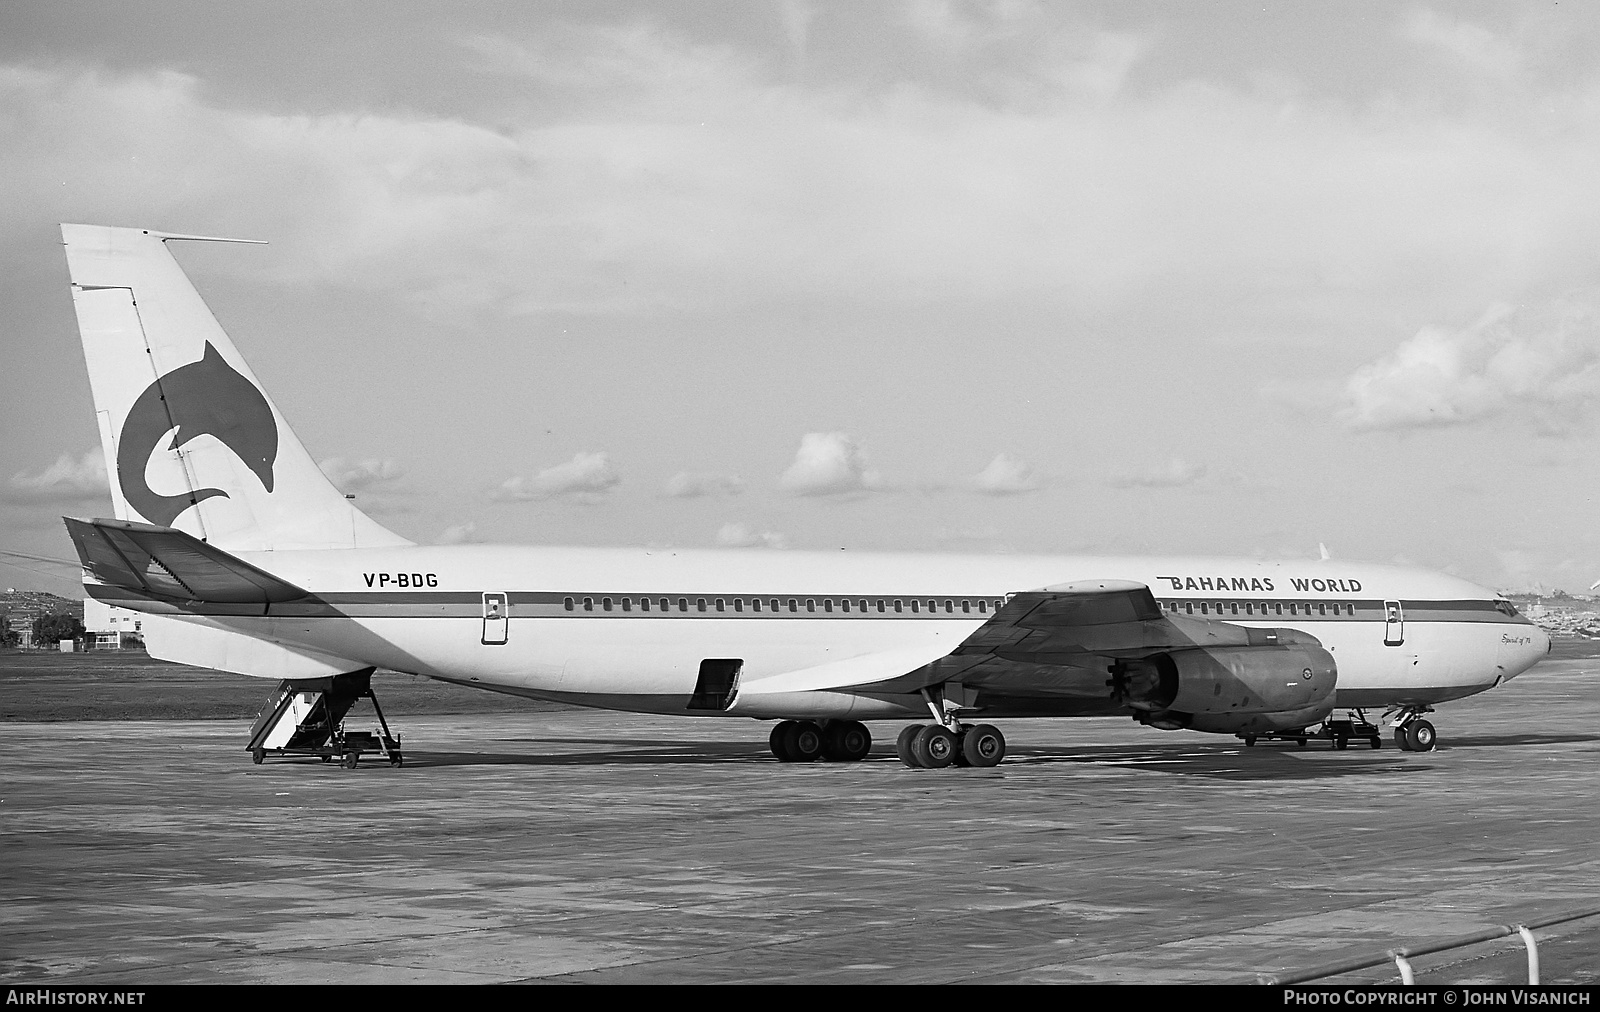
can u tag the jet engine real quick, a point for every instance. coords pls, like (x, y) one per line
(1230, 689)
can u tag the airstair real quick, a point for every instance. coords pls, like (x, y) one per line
(306, 717)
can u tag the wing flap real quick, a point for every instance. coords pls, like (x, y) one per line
(169, 565)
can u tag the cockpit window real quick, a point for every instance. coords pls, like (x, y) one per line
(1506, 608)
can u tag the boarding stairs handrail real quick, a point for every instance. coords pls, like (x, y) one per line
(1402, 957)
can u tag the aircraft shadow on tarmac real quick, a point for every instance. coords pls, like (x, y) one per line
(1493, 740)
(1226, 762)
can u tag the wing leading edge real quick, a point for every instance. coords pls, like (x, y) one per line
(1062, 641)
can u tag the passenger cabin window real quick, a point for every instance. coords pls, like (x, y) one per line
(588, 604)
(627, 604)
(683, 604)
(605, 603)
(983, 607)
(568, 604)
(644, 604)
(738, 604)
(897, 604)
(719, 604)
(700, 603)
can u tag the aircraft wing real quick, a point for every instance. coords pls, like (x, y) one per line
(169, 565)
(1059, 640)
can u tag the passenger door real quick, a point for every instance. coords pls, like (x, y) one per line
(496, 619)
(1394, 624)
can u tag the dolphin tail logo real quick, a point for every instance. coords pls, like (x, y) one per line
(191, 440)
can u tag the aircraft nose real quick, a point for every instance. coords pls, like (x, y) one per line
(1523, 649)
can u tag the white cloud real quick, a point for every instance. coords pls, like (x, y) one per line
(1475, 47)
(898, 193)
(357, 475)
(740, 536)
(692, 485)
(829, 463)
(67, 480)
(1173, 474)
(584, 474)
(460, 534)
(1007, 475)
(1542, 364)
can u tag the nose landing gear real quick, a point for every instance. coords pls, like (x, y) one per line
(1411, 732)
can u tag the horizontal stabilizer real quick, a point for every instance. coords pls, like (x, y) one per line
(172, 566)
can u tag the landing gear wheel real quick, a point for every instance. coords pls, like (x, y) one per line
(934, 747)
(1300, 742)
(350, 760)
(846, 741)
(902, 745)
(257, 755)
(396, 760)
(983, 746)
(1421, 736)
(775, 741)
(1401, 741)
(1341, 743)
(1249, 741)
(802, 741)
(1376, 742)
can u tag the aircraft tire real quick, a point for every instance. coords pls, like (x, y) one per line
(1341, 743)
(1249, 741)
(257, 755)
(1401, 740)
(846, 741)
(351, 759)
(1421, 735)
(1376, 742)
(803, 741)
(983, 746)
(902, 745)
(934, 747)
(775, 741)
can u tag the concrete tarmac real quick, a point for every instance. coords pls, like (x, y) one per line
(598, 847)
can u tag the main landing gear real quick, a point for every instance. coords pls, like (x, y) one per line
(935, 746)
(804, 741)
(1411, 732)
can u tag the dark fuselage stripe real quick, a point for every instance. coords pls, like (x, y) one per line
(547, 604)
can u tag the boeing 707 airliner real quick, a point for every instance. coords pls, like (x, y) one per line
(248, 560)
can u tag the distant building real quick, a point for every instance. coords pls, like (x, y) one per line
(22, 625)
(111, 627)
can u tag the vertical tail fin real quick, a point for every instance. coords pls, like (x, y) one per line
(191, 440)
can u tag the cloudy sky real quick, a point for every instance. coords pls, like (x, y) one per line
(1231, 278)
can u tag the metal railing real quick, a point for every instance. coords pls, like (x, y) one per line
(1402, 957)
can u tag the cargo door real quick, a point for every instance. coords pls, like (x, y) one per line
(496, 619)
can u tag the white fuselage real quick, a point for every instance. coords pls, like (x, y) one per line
(628, 629)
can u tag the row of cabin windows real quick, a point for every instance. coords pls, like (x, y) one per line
(949, 606)
(1258, 608)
